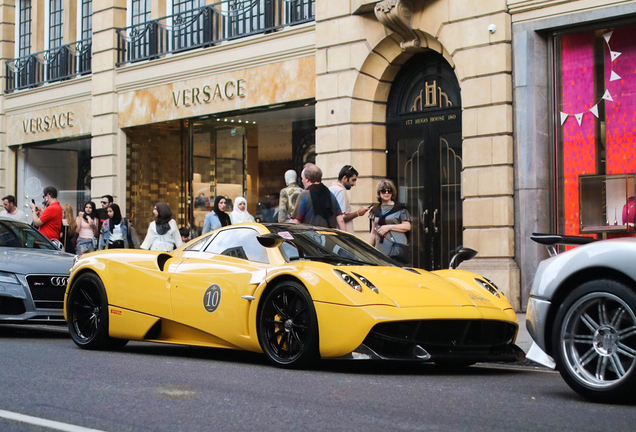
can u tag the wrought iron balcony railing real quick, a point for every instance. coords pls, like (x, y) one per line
(209, 25)
(56, 64)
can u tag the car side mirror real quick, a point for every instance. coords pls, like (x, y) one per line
(58, 244)
(270, 240)
(463, 254)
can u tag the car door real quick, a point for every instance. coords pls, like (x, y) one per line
(207, 287)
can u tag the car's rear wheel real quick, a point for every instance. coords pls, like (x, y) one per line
(87, 314)
(288, 328)
(594, 341)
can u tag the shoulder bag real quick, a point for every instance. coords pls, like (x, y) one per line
(399, 252)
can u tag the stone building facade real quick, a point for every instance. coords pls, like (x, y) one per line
(182, 101)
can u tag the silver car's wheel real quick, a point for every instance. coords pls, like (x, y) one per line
(594, 340)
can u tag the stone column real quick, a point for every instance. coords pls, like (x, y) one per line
(478, 35)
(7, 49)
(108, 146)
(346, 133)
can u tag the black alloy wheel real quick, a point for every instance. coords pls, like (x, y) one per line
(594, 341)
(87, 314)
(288, 328)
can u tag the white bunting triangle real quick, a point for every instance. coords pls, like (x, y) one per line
(607, 36)
(614, 76)
(594, 110)
(564, 117)
(579, 117)
(608, 96)
(614, 55)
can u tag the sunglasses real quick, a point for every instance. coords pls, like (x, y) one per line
(104, 202)
(385, 191)
(44, 196)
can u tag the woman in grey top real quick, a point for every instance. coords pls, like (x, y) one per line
(391, 221)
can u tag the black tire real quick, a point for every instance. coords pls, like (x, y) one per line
(287, 326)
(594, 341)
(87, 314)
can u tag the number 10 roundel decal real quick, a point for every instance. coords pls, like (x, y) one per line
(212, 298)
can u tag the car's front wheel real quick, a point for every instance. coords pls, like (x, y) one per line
(594, 340)
(288, 328)
(87, 314)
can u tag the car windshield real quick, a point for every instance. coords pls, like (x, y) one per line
(329, 246)
(17, 234)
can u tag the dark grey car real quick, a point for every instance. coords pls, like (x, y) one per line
(33, 275)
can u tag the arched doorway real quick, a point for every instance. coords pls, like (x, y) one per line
(424, 142)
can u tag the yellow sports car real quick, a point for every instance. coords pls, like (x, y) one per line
(296, 293)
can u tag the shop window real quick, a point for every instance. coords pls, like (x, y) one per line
(64, 165)
(156, 170)
(595, 97)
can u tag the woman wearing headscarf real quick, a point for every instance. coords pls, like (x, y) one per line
(86, 228)
(240, 213)
(163, 233)
(217, 218)
(114, 230)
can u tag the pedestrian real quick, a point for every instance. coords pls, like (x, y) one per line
(288, 196)
(114, 234)
(185, 234)
(240, 213)
(11, 210)
(86, 228)
(102, 213)
(217, 218)
(49, 220)
(163, 232)
(67, 234)
(316, 205)
(347, 179)
(391, 223)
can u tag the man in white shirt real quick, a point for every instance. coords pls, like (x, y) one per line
(11, 210)
(347, 179)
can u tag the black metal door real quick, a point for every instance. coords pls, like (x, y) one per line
(424, 156)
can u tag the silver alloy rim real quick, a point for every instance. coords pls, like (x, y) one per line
(598, 340)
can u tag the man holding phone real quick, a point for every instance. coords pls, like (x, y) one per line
(49, 221)
(347, 179)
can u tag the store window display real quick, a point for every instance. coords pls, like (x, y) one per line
(595, 98)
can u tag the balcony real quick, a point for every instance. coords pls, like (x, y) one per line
(57, 64)
(209, 25)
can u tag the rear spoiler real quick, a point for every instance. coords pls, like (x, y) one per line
(551, 240)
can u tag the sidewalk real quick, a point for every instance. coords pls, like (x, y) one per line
(524, 341)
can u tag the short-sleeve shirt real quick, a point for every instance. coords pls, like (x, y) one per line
(51, 219)
(304, 211)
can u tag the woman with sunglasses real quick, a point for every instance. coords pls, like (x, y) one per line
(391, 221)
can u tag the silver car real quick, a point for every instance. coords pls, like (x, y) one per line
(33, 275)
(582, 315)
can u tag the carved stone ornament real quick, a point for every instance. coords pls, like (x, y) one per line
(397, 15)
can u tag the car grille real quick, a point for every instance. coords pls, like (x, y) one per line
(440, 337)
(47, 291)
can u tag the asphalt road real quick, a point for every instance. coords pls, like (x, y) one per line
(152, 387)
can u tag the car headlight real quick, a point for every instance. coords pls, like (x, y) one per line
(350, 280)
(6, 277)
(488, 287)
(368, 283)
(495, 286)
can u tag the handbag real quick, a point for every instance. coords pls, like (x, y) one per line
(399, 252)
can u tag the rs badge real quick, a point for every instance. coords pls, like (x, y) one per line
(212, 298)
